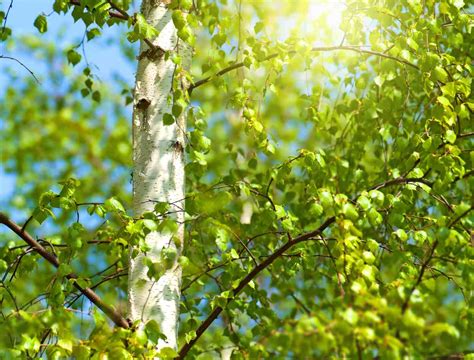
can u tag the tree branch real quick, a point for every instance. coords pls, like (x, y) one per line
(23, 65)
(401, 180)
(110, 311)
(468, 134)
(420, 276)
(120, 14)
(124, 14)
(275, 255)
(315, 49)
(250, 276)
(115, 13)
(456, 220)
(425, 264)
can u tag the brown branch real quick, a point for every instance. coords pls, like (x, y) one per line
(275, 255)
(110, 311)
(121, 14)
(124, 14)
(420, 276)
(250, 276)
(301, 304)
(456, 220)
(315, 49)
(465, 176)
(116, 13)
(245, 247)
(425, 264)
(23, 228)
(468, 134)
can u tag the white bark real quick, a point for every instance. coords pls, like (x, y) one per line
(158, 174)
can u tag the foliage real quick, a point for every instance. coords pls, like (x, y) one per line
(329, 184)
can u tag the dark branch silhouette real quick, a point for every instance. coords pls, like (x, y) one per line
(315, 234)
(110, 311)
(23, 65)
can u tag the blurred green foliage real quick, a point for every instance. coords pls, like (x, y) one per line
(295, 135)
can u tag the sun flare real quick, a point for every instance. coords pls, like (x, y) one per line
(323, 20)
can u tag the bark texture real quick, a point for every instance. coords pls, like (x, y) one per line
(158, 174)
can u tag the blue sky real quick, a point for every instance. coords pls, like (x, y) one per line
(104, 56)
(22, 16)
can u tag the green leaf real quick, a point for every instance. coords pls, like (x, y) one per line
(64, 269)
(161, 207)
(450, 136)
(73, 57)
(372, 245)
(412, 43)
(259, 25)
(368, 273)
(350, 211)
(65, 344)
(280, 211)
(234, 254)
(60, 5)
(364, 202)
(30, 343)
(401, 234)
(326, 199)
(190, 336)
(368, 257)
(377, 197)
(350, 316)
(179, 19)
(41, 23)
(374, 217)
(444, 101)
(113, 204)
(153, 331)
(167, 353)
(96, 96)
(320, 159)
(3, 265)
(149, 224)
(40, 214)
(92, 33)
(220, 38)
(420, 236)
(440, 74)
(316, 209)
(222, 238)
(438, 329)
(85, 92)
(186, 34)
(168, 119)
(176, 110)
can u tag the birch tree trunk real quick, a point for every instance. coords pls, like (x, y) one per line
(158, 174)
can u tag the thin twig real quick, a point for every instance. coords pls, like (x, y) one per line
(425, 264)
(315, 49)
(6, 16)
(23, 65)
(401, 180)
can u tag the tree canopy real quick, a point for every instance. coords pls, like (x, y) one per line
(329, 180)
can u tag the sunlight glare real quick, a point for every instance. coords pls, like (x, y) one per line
(323, 22)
